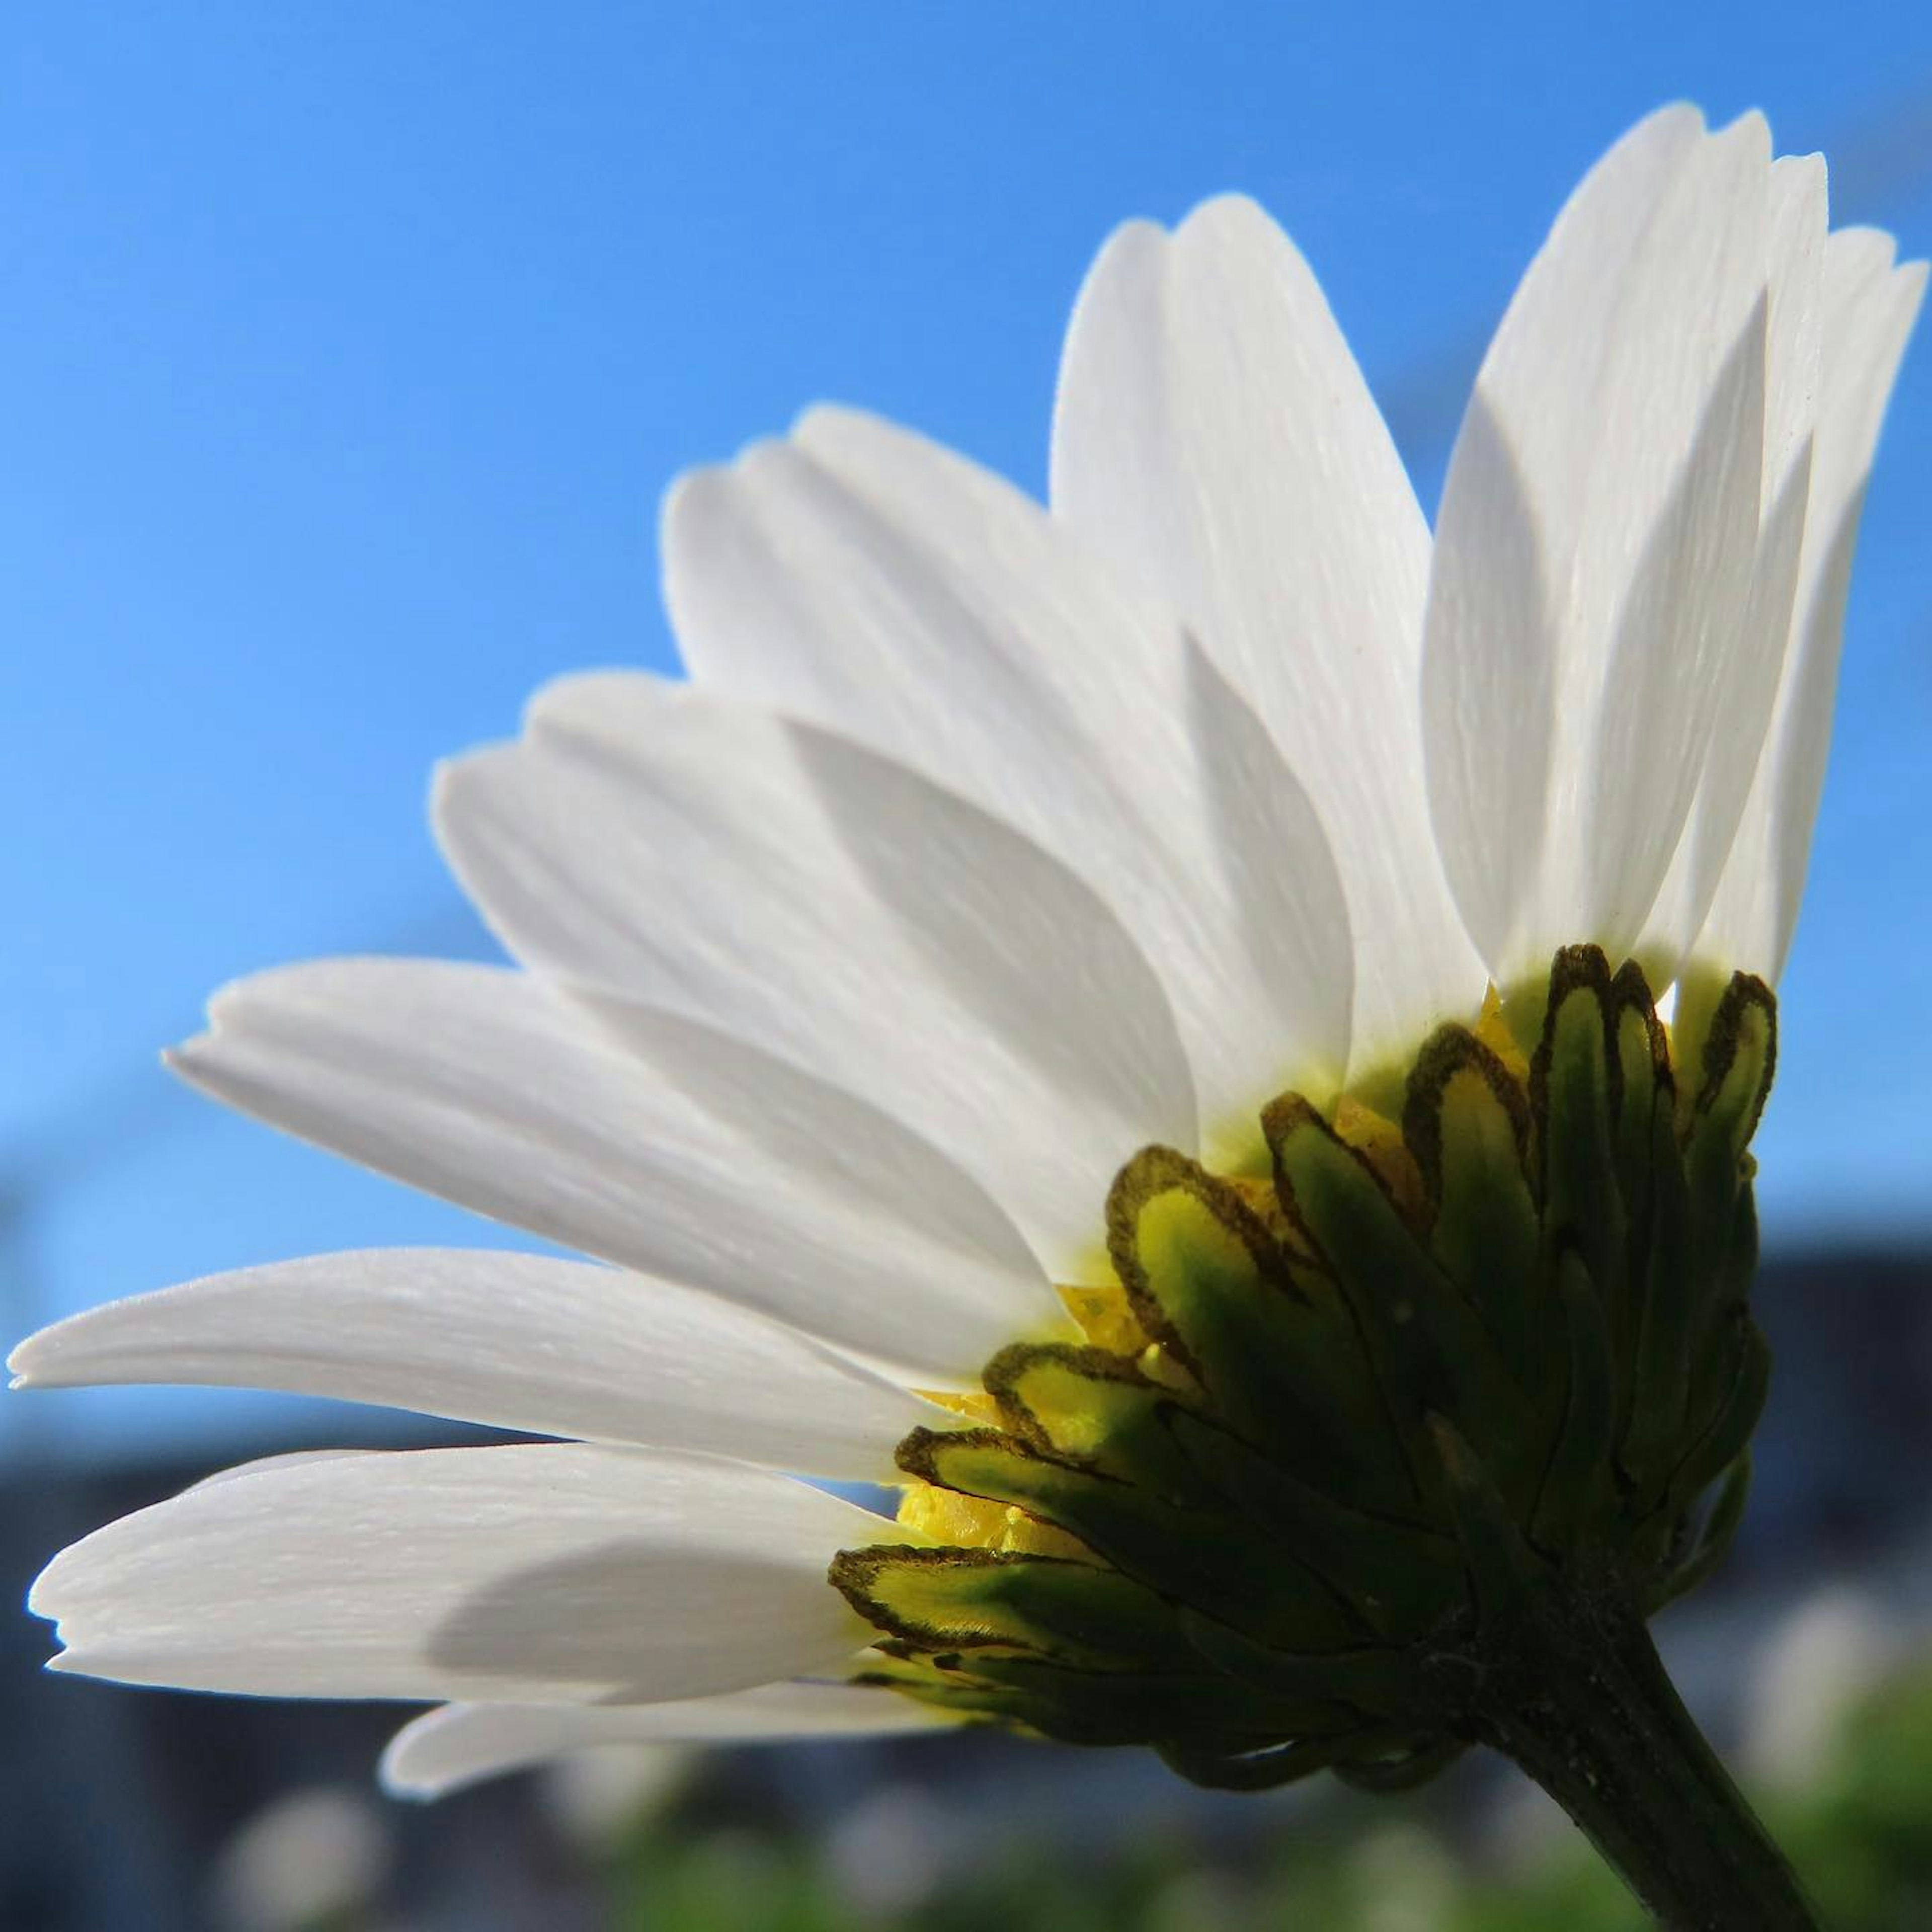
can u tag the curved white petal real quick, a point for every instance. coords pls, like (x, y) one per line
(1749, 687)
(462, 1744)
(531, 1573)
(831, 907)
(522, 1341)
(285, 1458)
(1595, 545)
(1869, 307)
(1511, 507)
(1214, 439)
(771, 1189)
(862, 578)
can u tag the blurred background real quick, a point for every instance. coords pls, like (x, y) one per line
(347, 349)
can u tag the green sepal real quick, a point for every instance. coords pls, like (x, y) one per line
(1727, 1295)
(1377, 1679)
(1644, 1080)
(1096, 1410)
(952, 1599)
(1576, 1491)
(1430, 1349)
(971, 1697)
(1728, 1258)
(1502, 1571)
(1402, 1575)
(1414, 1764)
(1576, 1082)
(1189, 1555)
(1712, 1543)
(1670, 1318)
(1275, 1349)
(1080, 1706)
(958, 1693)
(1265, 1770)
(1741, 1377)
(1466, 1124)
(1735, 1070)
(1739, 1056)
(1645, 1129)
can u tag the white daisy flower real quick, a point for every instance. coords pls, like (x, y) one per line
(1058, 1014)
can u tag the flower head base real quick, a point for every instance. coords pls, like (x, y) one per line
(1271, 1515)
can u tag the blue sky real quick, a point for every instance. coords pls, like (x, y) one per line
(349, 347)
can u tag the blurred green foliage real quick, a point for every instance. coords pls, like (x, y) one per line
(1858, 1825)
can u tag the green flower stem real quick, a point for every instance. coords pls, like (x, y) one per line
(1574, 1692)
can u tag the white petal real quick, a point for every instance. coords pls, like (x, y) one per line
(1869, 308)
(1214, 438)
(1750, 686)
(478, 1084)
(531, 1573)
(1595, 544)
(522, 1341)
(461, 1744)
(1511, 506)
(863, 578)
(286, 1458)
(836, 910)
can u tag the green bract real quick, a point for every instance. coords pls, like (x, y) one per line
(1348, 1425)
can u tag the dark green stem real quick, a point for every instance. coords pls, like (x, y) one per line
(1575, 1693)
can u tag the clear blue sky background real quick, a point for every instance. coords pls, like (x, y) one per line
(347, 348)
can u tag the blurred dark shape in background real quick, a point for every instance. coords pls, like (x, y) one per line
(130, 1811)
